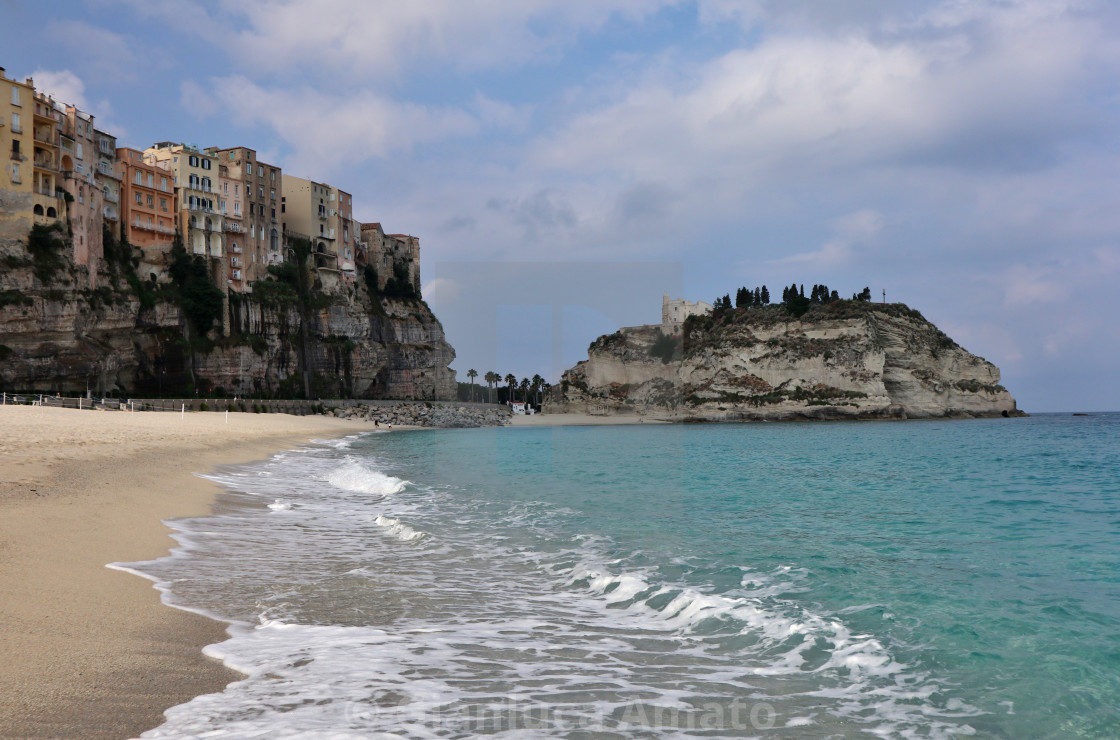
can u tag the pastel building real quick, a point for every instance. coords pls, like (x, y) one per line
(195, 176)
(311, 212)
(17, 200)
(149, 209)
(78, 163)
(108, 179)
(389, 255)
(256, 188)
(49, 203)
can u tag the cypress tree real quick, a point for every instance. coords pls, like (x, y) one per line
(765, 296)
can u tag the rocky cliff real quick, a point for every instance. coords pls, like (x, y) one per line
(847, 359)
(334, 341)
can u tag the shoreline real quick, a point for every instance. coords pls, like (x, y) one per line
(91, 651)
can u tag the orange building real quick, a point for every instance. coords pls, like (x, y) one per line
(148, 209)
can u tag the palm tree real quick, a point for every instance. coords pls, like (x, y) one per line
(536, 385)
(472, 374)
(490, 376)
(510, 380)
(525, 390)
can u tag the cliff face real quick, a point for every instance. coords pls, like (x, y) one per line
(849, 359)
(56, 335)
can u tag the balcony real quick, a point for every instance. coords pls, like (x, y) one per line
(158, 228)
(233, 227)
(235, 261)
(110, 213)
(235, 249)
(45, 163)
(17, 157)
(236, 274)
(48, 137)
(48, 192)
(111, 197)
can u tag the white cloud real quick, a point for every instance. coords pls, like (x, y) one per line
(63, 85)
(378, 38)
(328, 130)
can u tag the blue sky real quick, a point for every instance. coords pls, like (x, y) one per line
(963, 155)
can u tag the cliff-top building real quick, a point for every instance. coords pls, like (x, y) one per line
(252, 191)
(78, 163)
(674, 313)
(17, 101)
(149, 209)
(310, 211)
(195, 175)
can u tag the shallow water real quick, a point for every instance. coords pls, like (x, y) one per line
(841, 580)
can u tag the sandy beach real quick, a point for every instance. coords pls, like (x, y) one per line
(91, 652)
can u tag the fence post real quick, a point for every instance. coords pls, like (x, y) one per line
(183, 412)
(79, 402)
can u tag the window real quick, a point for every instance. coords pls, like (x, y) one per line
(274, 213)
(252, 230)
(15, 95)
(250, 209)
(261, 192)
(80, 152)
(15, 148)
(15, 173)
(225, 188)
(16, 128)
(193, 160)
(236, 189)
(163, 184)
(237, 207)
(151, 180)
(206, 164)
(283, 208)
(139, 199)
(272, 175)
(151, 203)
(260, 171)
(163, 204)
(273, 194)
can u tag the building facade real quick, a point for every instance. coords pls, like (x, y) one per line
(674, 313)
(149, 210)
(311, 211)
(17, 101)
(49, 203)
(85, 207)
(195, 177)
(257, 189)
(108, 179)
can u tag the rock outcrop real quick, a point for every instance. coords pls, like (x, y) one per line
(337, 341)
(439, 416)
(843, 360)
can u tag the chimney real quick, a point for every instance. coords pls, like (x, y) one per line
(2, 77)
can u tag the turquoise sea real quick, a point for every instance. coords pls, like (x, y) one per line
(810, 580)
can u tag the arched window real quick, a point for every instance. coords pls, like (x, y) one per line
(51, 212)
(274, 242)
(37, 210)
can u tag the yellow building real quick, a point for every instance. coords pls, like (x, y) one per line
(196, 181)
(49, 204)
(17, 104)
(310, 211)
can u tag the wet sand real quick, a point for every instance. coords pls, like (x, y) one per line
(91, 652)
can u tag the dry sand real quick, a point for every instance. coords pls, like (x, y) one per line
(90, 652)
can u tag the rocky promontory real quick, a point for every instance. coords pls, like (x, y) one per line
(848, 359)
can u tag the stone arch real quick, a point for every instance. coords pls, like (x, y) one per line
(51, 212)
(38, 209)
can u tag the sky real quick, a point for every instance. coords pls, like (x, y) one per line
(565, 163)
